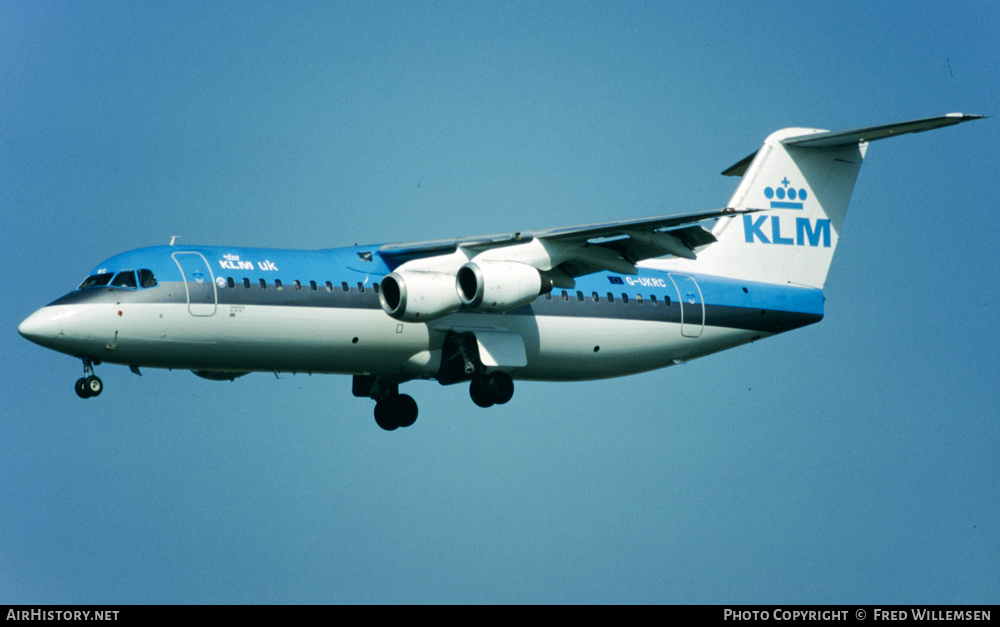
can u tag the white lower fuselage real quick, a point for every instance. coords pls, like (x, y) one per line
(288, 338)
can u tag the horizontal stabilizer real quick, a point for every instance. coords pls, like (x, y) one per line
(834, 139)
(854, 136)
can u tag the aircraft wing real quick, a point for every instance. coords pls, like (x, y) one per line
(585, 248)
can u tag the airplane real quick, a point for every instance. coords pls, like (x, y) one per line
(563, 304)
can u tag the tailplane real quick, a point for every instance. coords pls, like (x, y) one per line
(794, 192)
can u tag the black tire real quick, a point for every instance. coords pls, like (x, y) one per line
(501, 387)
(385, 417)
(94, 386)
(81, 388)
(406, 410)
(480, 393)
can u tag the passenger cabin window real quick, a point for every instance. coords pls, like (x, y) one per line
(298, 285)
(579, 296)
(611, 297)
(263, 284)
(652, 299)
(597, 298)
(312, 285)
(96, 280)
(124, 279)
(361, 287)
(329, 286)
(230, 282)
(638, 299)
(246, 283)
(624, 297)
(345, 286)
(277, 284)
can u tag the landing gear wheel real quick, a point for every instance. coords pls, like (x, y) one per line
(480, 393)
(384, 416)
(88, 387)
(493, 389)
(397, 411)
(406, 410)
(501, 387)
(94, 386)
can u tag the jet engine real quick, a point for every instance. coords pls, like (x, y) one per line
(418, 296)
(499, 285)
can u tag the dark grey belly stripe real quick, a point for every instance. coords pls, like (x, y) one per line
(725, 316)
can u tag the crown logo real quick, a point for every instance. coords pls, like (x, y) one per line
(231, 257)
(786, 196)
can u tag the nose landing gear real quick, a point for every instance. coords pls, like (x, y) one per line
(89, 385)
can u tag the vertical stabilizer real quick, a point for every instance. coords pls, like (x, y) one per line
(802, 196)
(798, 185)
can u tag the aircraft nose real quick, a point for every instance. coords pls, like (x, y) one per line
(40, 326)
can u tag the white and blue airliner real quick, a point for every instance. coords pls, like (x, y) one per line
(563, 304)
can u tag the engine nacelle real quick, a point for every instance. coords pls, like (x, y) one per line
(418, 296)
(499, 285)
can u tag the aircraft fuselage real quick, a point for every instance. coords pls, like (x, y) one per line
(244, 310)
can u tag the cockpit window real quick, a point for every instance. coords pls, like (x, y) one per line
(124, 279)
(96, 280)
(146, 278)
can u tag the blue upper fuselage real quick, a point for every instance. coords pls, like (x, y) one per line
(267, 263)
(274, 276)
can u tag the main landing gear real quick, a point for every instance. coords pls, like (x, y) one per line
(460, 361)
(491, 389)
(89, 385)
(392, 409)
(395, 411)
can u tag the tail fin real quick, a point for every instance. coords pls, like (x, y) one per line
(798, 186)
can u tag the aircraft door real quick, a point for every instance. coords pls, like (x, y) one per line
(692, 305)
(198, 282)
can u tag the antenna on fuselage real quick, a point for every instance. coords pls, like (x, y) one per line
(173, 238)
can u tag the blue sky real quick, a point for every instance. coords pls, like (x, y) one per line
(854, 461)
